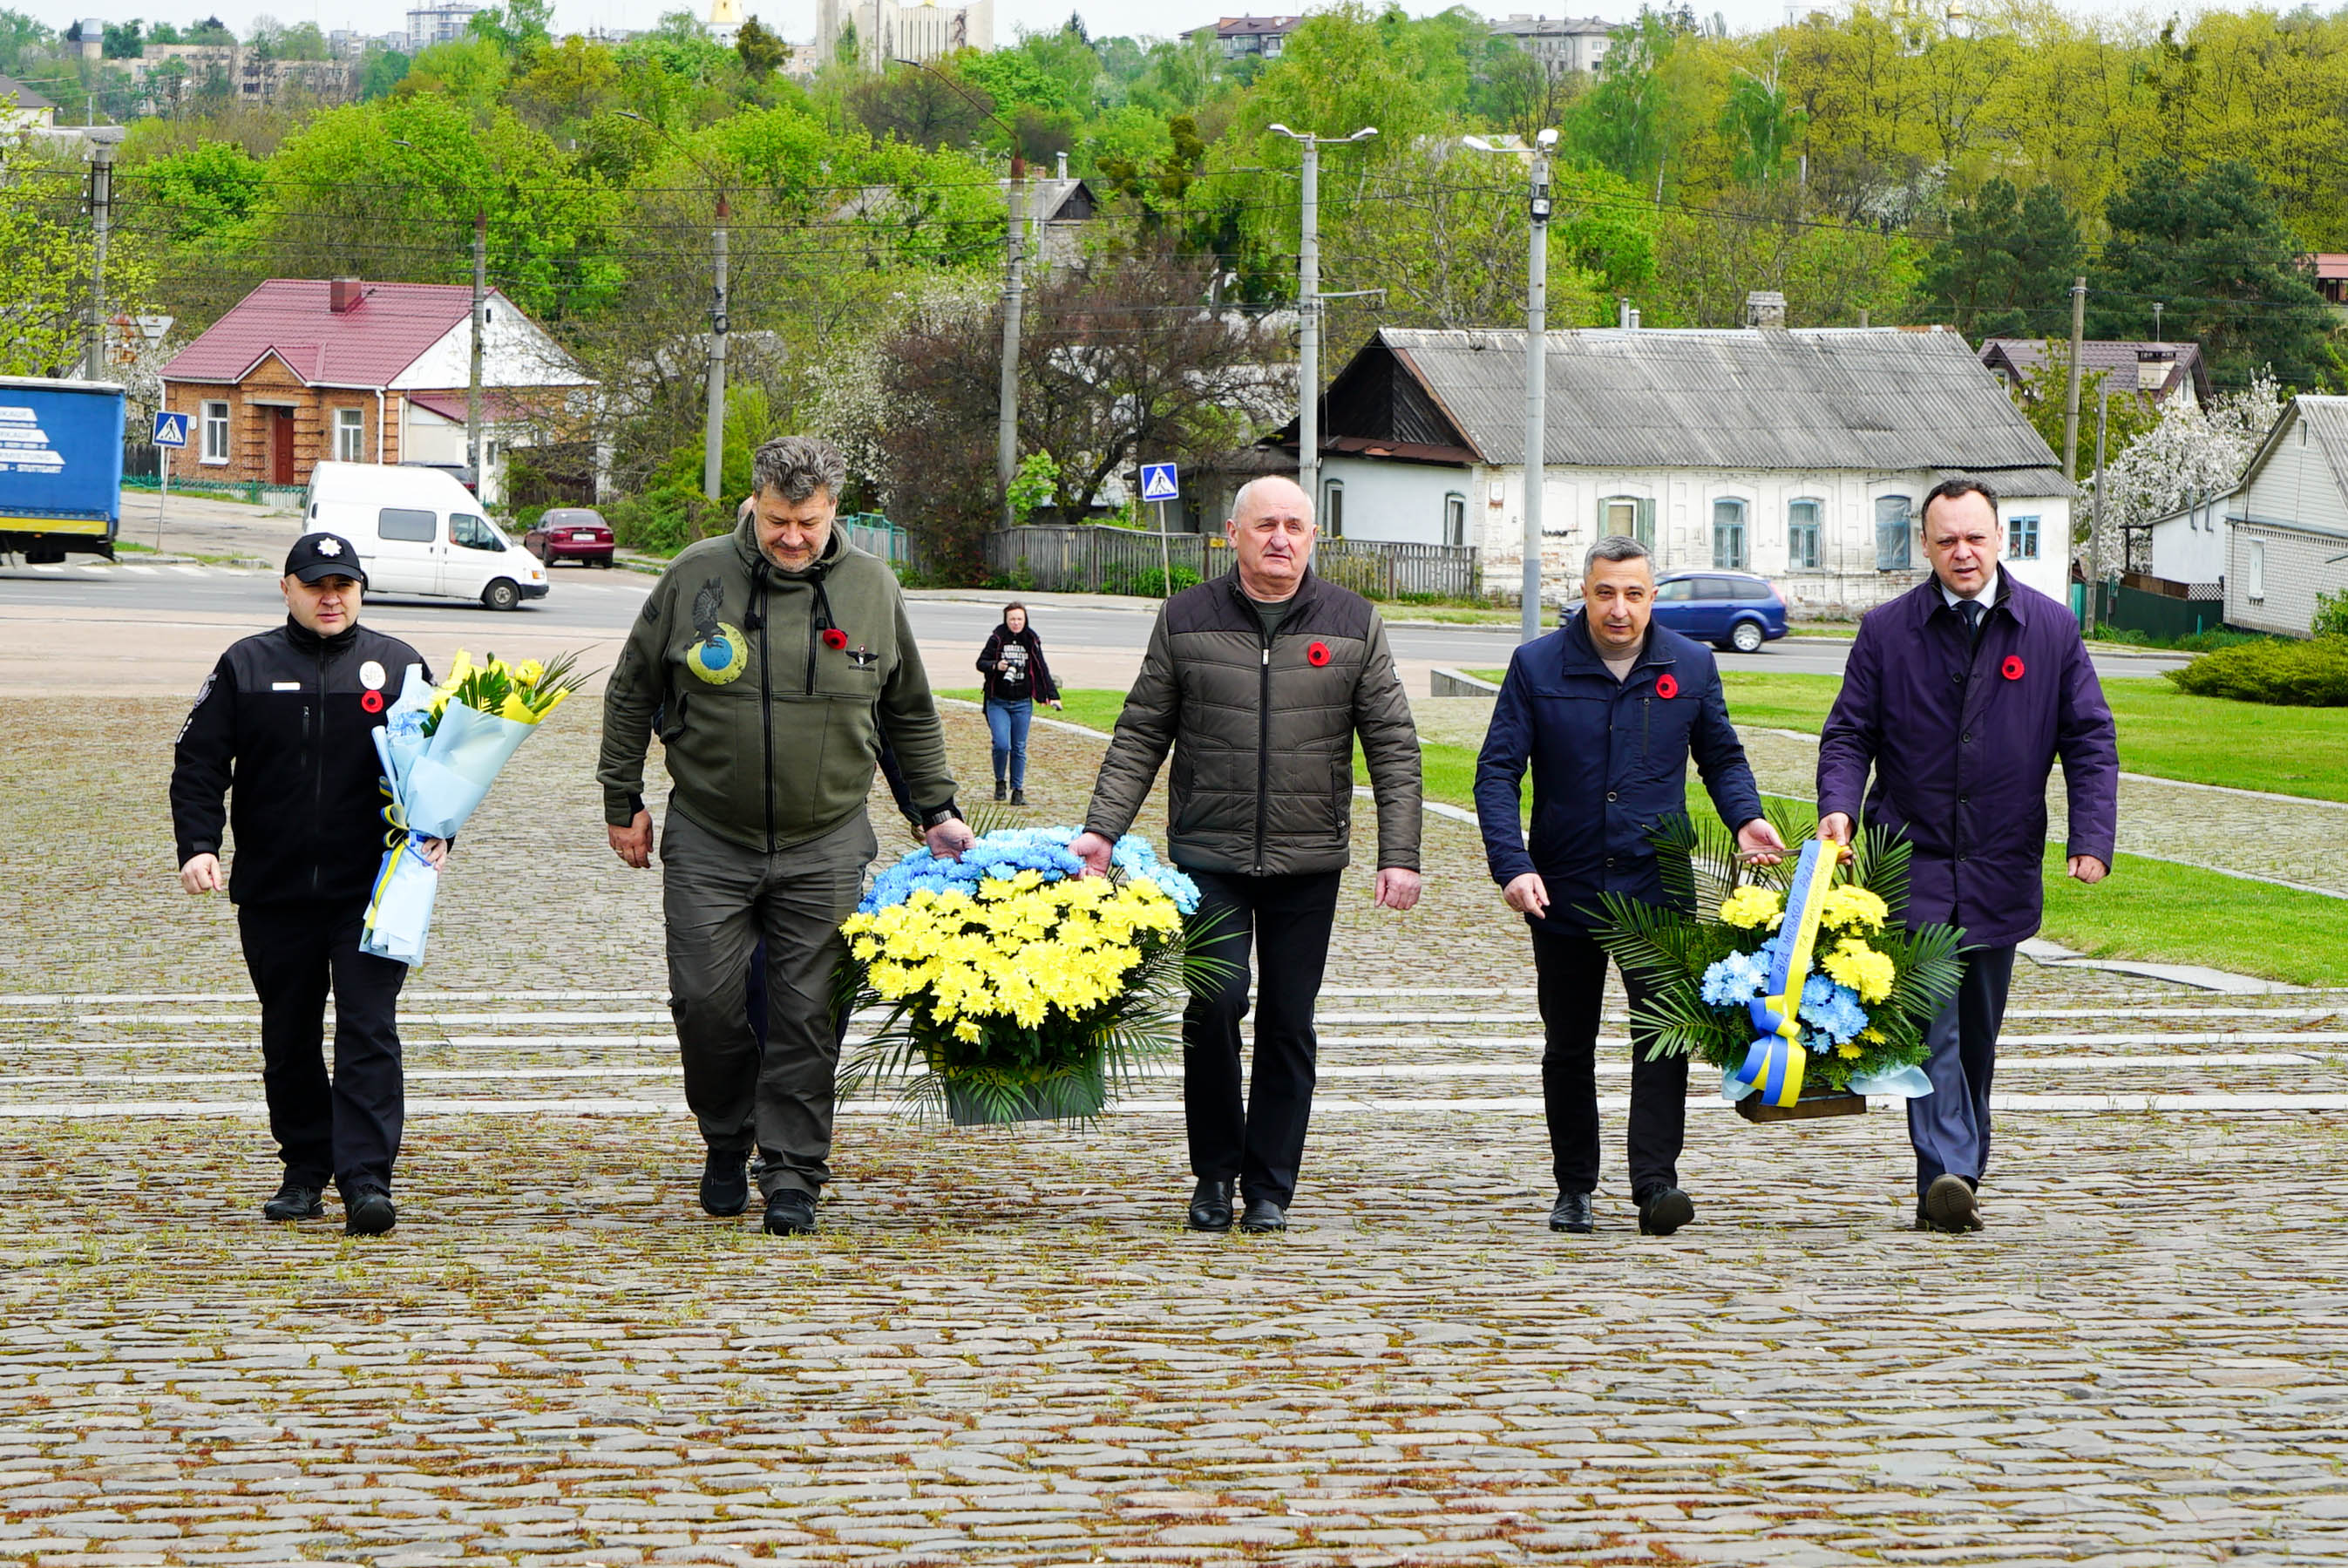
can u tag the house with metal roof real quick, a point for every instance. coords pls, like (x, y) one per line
(305, 370)
(2280, 538)
(2157, 372)
(22, 109)
(1801, 453)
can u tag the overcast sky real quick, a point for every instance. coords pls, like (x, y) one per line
(795, 19)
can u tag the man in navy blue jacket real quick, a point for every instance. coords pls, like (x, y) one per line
(1959, 695)
(1607, 709)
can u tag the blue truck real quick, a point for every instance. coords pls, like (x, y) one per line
(60, 468)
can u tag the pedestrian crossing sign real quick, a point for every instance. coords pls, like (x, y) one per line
(171, 430)
(1157, 482)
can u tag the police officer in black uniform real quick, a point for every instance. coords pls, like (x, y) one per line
(284, 725)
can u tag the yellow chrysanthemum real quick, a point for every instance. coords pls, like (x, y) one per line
(1849, 1051)
(1856, 964)
(1849, 908)
(1753, 909)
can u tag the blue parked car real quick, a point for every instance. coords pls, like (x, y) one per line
(1731, 610)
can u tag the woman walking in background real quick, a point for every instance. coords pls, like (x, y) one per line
(1016, 680)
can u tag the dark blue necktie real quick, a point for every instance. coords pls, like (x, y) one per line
(1972, 610)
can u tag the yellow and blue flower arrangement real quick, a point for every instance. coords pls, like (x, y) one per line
(1802, 981)
(1018, 989)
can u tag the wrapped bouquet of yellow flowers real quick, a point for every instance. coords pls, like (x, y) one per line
(1016, 987)
(1801, 984)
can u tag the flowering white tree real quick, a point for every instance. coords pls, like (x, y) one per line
(2192, 453)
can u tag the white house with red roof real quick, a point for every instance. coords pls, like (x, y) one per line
(305, 370)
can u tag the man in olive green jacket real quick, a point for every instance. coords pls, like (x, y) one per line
(1259, 681)
(776, 662)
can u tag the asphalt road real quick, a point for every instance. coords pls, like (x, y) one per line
(600, 604)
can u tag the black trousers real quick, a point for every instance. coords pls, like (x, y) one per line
(1258, 1139)
(1950, 1126)
(347, 1126)
(1571, 970)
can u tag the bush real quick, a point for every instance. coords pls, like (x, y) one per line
(2331, 614)
(2285, 674)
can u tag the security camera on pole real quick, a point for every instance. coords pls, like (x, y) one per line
(1308, 307)
(1536, 363)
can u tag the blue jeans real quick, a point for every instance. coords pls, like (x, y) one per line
(1007, 723)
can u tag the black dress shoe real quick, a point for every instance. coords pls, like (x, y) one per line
(1263, 1214)
(1211, 1206)
(1664, 1211)
(1019, 797)
(1949, 1205)
(296, 1201)
(368, 1212)
(724, 1183)
(790, 1213)
(999, 791)
(1574, 1213)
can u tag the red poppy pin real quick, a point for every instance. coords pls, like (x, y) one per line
(2012, 668)
(1317, 654)
(1666, 687)
(834, 638)
(372, 701)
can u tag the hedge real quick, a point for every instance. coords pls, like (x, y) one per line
(2313, 674)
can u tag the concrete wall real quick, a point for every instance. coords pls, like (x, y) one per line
(1400, 501)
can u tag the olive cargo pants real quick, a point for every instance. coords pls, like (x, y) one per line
(719, 899)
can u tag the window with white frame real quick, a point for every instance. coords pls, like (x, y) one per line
(2254, 571)
(350, 435)
(1891, 532)
(215, 422)
(1728, 534)
(1455, 519)
(1804, 547)
(2022, 538)
(1333, 509)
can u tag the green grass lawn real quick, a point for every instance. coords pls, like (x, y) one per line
(1092, 710)
(2164, 732)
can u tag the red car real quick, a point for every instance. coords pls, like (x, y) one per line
(571, 533)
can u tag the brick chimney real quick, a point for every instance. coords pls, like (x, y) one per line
(344, 295)
(1764, 310)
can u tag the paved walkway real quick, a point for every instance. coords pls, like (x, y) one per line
(1004, 1348)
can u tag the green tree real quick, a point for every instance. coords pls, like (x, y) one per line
(1623, 122)
(206, 194)
(2042, 397)
(380, 70)
(470, 71)
(762, 51)
(2211, 248)
(122, 40)
(1761, 126)
(2006, 266)
(516, 29)
(23, 38)
(44, 260)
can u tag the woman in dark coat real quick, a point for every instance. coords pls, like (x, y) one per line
(1016, 680)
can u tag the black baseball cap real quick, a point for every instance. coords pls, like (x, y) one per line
(316, 555)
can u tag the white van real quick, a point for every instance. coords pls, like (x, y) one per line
(418, 531)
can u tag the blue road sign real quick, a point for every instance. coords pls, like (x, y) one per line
(1157, 482)
(171, 430)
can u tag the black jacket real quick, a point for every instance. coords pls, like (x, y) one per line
(1262, 733)
(1032, 683)
(283, 727)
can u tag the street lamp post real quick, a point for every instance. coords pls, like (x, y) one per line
(1308, 307)
(1536, 366)
(713, 448)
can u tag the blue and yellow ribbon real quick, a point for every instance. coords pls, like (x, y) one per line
(1773, 1065)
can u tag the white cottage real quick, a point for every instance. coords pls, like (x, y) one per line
(1801, 455)
(2286, 538)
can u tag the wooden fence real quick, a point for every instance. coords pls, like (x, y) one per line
(1089, 559)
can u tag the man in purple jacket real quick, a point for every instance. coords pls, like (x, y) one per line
(1959, 695)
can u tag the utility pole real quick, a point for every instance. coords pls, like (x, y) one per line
(713, 439)
(102, 141)
(2095, 529)
(473, 381)
(1308, 307)
(2071, 386)
(1007, 416)
(1536, 366)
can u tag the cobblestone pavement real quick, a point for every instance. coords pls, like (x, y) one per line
(2287, 840)
(1005, 1348)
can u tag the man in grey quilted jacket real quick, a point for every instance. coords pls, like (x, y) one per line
(1258, 682)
